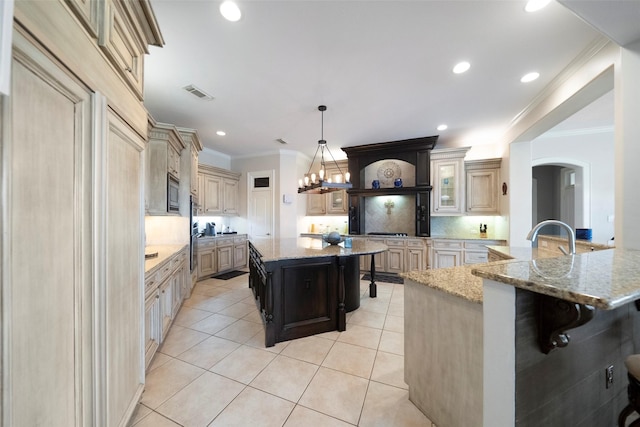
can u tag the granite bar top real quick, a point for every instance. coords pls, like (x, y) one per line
(522, 253)
(468, 236)
(586, 244)
(309, 247)
(457, 281)
(164, 252)
(605, 279)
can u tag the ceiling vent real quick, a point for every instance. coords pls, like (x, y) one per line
(282, 141)
(198, 92)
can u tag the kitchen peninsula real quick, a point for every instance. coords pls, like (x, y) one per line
(305, 286)
(472, 341)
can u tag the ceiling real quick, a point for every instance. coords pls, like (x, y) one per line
(383, 68)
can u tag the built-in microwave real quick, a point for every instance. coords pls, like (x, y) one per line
(173, 200)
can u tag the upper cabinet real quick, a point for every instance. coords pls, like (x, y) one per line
(218, 191)
(162, 166)
(189, 162)
(483, 192)
(333, 203)
(447, 179)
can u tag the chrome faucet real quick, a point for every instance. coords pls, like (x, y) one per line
(533, 234)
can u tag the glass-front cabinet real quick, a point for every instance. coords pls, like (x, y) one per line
(447, 175)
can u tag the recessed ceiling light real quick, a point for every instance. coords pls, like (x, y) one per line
(221, 133)
(461, 67)
(529, 77)
(535, 5)
(230, 11)
(442, 127)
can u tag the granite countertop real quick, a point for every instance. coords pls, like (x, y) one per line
(309, 247)
(457, 281)
(521, 253)
(461, 235)
(579, 242)
(164, 252)
(218, 236)
(606, 279)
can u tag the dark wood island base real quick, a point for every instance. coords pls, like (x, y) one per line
(306, 295)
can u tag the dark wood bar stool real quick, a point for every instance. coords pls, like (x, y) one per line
(633, 391)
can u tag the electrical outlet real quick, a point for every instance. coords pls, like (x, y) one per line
(608, 375)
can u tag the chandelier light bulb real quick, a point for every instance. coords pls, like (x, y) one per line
(347, 177)
(306, 180)
(313, 178)
(338, 178)
(299, 183)
(321, 173)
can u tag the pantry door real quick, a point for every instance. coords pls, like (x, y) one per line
(260, 203)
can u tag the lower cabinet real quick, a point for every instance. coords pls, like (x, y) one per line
(403, 255)
(163, 297)
(453, 253)
(220, 254)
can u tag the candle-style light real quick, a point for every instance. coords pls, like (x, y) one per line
(324, 186)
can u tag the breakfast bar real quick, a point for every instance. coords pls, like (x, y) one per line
(305, 286)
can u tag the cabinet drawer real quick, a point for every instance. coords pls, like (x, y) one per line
(475, 257)
(395, 242)
(415, 243)
(206, 243)
(447, 244)
(176, 261)
(477, 246)
(152, 281)
(239, 240)
(224, 242)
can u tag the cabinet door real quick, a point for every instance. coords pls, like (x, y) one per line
(230, 191)
(194, 172)
(212, 195)
(47, 320)
(201, 194)
(447, 187)
(225, 258)
(482, 192)
(240, 256)
(206, 262)
(177, 281)
(415, 259)
(166, 307)
(395, 260)
(152, 329)
(316, 204)
(337, 203)
(443, 258)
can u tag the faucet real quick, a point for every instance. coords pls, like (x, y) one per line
(533, 234)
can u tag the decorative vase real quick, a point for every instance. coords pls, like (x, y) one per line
(397, 183)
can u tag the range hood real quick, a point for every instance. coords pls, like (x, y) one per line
(415, 151)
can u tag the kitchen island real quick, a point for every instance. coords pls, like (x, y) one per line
(303, 286)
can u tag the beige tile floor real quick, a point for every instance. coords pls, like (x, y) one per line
(213, 368)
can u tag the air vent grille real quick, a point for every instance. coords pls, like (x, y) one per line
(195, 91)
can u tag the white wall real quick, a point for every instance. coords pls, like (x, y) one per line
(214, 158)
(597, 151)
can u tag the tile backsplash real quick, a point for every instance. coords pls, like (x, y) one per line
(391, 214)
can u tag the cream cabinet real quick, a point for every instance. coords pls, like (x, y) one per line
(316, 204)
(67, 152)
(447, 180)
(162, 160)
(218, 191)
(239, 252)
(220, 254)
(163, 297)
(483, 187)
(333, 203)
(404, 254)
(453, 253)
(224, 254)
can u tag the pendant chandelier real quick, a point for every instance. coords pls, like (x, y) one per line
(319, 182)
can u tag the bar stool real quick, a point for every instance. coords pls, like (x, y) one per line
(633, 391)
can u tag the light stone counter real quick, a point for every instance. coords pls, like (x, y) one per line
(309, 247)
(164, 252)
(457, 281)
(605, 279)
(520, 253)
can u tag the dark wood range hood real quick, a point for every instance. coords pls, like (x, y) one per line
(415, 151)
